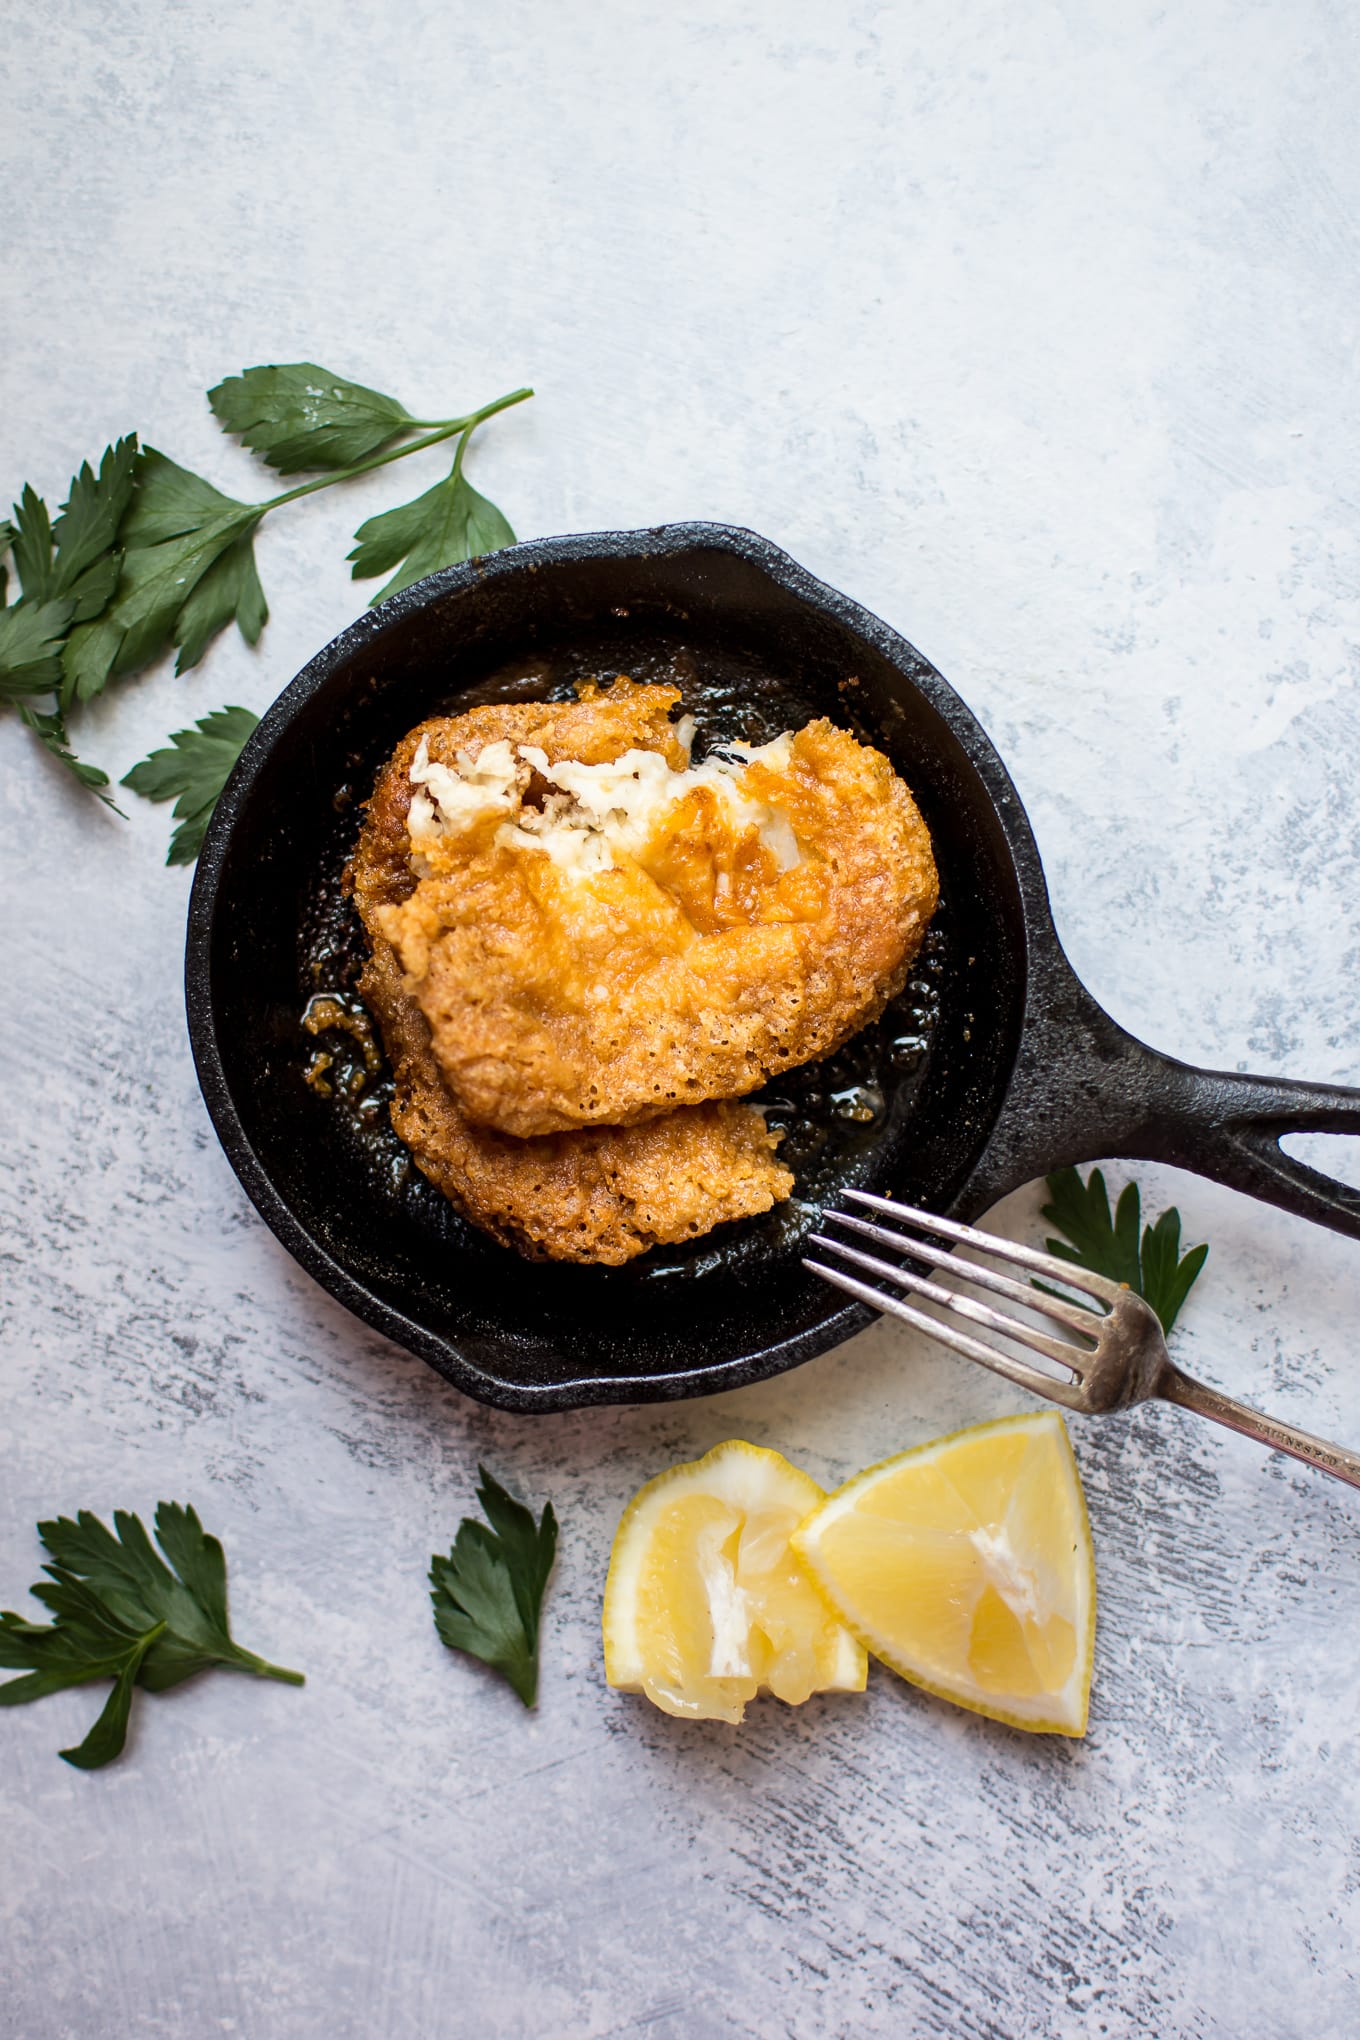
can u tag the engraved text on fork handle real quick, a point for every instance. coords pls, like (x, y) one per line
(1173, 1386)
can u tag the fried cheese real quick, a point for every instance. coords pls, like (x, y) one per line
(597, 932)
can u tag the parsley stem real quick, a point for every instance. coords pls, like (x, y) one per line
(446, 430)
(262, 1669)
(470, 418)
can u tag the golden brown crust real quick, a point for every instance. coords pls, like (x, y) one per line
(556, 1004)
(601, 1194)
(598, 726)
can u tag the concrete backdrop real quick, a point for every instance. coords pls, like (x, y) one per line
(1036, 330)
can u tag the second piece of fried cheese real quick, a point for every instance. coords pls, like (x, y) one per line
(600, 932)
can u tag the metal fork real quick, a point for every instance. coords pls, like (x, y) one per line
(1111, 1359)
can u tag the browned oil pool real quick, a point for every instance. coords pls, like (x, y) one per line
(832, 1113)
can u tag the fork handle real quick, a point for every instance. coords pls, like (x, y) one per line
(1208, 1402)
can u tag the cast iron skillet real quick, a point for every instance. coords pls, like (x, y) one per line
(1025, 1073)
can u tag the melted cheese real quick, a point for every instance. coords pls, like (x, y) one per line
(449, 801)
(593, 815)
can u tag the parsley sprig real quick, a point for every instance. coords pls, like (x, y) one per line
(1148, 1258)
(146, 557)
(122, 1613)
(488, 1593)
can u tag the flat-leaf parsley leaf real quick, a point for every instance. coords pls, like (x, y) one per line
(31, 541)
(86, 533)
(122, 1613)
(67, 570)
(49, 727)
(192, 773)
(30, 647)
(488, 1593)
(298, 416)
(1147, 1258)
(450, 522)
(178, 527)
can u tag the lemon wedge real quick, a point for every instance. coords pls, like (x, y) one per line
(706, 1606)
(966, 1565)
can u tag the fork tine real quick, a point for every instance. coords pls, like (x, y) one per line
(1061, 1350)
(989, 1243)
(1074, 1315)
(1017, 1371)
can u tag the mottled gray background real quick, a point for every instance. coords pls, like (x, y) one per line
(1035, 328)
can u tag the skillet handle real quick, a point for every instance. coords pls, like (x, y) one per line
(1084, 1090)
(1229, 1127)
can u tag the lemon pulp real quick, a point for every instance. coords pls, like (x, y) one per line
(966, 1565)
(706, 1604)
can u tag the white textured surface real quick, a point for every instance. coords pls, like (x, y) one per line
(1036, 329)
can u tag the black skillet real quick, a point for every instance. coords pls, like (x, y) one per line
(1023, 1072)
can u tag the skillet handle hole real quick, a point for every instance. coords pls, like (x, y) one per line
(1333, 1154)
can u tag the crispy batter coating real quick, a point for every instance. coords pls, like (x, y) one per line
(600, 1195)
(697, 965)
